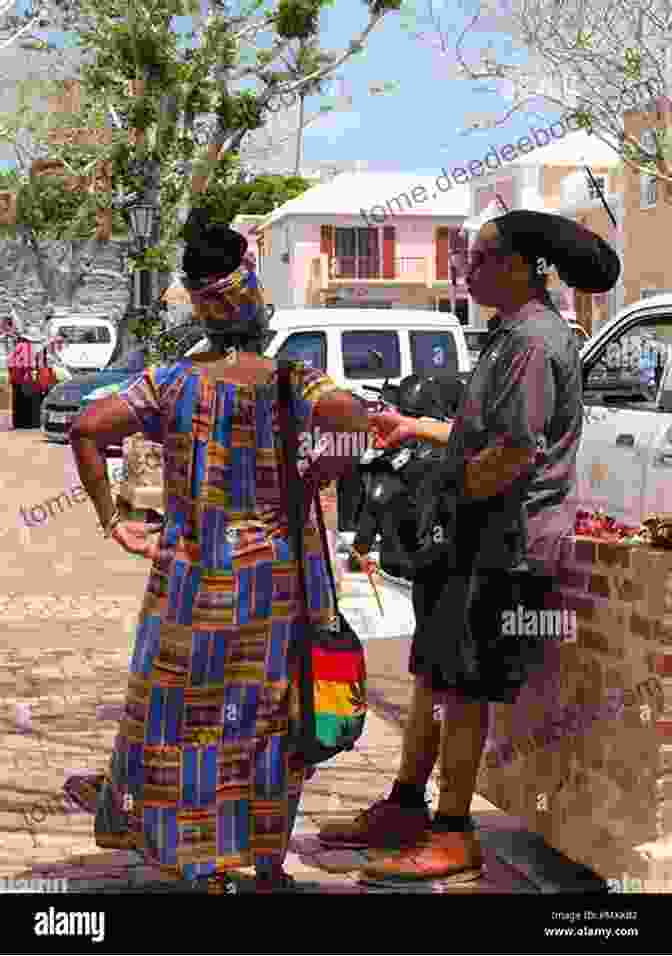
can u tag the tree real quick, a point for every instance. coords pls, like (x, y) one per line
(54, 233)
(147, 93)
(596, 59)
(258, 197)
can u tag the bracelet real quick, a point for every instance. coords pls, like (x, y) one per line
(111, 524)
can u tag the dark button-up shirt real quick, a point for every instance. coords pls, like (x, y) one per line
(526, 392)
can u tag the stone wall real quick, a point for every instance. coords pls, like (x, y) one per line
(585, 754)
(96, 293)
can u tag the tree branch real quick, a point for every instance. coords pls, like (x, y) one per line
(40, 262)
(354, 47)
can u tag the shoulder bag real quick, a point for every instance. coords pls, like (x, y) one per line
(327, 666)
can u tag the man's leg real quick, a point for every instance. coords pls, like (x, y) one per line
(422, 738)
(402, 817)
(449, 849)
(463, 735)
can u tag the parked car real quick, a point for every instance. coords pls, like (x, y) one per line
(66, 400)
(88, 340)
(359, 348)
(342, 341)
(71, 343)
(625, 458)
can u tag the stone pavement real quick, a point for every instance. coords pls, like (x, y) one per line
(61, 708)
(55, 842)
(68, 606)
(61, 701)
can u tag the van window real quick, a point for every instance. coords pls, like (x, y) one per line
(358, 362)
(307, 347)
(85, 335)
(433, 352)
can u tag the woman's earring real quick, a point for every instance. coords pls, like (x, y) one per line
(543, 268)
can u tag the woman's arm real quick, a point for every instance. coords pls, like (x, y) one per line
(105, 422)
(340, 411)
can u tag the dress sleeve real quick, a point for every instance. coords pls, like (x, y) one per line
(315, 384)
(309, 385)
(143, 397)
(318, 464)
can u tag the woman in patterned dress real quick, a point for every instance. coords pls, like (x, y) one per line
(203, 779)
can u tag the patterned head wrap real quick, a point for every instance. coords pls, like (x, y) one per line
(220, 273)
(233, 297)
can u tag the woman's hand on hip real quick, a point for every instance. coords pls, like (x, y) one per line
(134, 537)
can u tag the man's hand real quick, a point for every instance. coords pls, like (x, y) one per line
(134, 538)
(390, 429)
(493, 470)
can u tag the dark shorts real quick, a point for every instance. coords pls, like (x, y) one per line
(498, 666)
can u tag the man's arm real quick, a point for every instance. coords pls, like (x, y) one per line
(432, 430)
(494, 469)
(523, 402)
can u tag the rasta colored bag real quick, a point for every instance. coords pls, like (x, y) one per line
(326, 662)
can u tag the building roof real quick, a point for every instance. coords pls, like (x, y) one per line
(575, 149)
(350, 193)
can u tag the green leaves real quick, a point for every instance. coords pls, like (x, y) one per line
(297, 19)
(225, 200)
(54, 212)
(633, 64)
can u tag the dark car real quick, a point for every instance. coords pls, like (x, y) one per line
(65, 400)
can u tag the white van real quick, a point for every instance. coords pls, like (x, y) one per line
(360, 347)
(356, 347)
(89, 340)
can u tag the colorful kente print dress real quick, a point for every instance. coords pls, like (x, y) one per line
(202, 769)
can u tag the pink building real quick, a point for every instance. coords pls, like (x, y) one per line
(377, 240)
(552, 178)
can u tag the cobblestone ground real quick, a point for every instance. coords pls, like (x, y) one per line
(69, 602)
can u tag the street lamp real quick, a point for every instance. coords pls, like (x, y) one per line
(142, 217)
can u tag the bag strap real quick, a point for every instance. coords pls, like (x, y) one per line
(293, 488)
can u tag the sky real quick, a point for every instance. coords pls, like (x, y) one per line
(418, 126)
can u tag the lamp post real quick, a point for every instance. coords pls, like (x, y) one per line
(143, 216)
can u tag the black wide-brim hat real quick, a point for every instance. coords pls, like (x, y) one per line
(211, 248)
(583, 259)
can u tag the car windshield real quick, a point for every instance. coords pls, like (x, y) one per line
(84, 334)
